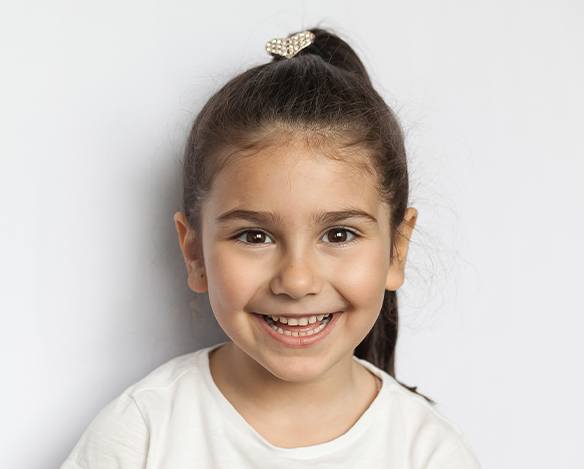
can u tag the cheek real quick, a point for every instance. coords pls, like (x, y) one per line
(233, 280)
(363, 275)
(363, 286)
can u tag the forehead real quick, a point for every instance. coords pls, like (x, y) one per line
(295, 181)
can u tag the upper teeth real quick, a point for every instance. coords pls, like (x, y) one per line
(300, 321)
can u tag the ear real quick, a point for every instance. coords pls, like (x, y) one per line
(396, 273)
(189, 244)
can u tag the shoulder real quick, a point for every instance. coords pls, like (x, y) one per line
(117, 434)
(435, 442)
(120, 432)
(431, 440)
(169, 374)
(179, 383)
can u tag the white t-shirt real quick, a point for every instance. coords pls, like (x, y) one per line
(177, 418)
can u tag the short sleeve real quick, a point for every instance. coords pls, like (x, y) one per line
(457, 455)
(117, 438)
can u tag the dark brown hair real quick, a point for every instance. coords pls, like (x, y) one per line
(324, 95)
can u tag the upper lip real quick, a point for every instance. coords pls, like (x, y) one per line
(302, 315)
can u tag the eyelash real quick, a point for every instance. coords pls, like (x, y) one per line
(341, 228)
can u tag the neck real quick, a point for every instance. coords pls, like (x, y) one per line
(249, 385)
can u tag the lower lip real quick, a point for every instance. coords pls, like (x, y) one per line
(300, 341)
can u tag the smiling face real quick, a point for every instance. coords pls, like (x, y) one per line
(296, 261)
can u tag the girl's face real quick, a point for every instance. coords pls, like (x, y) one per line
(293, 262)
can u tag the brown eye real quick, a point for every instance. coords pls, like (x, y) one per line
(252, 236)
(339, 235)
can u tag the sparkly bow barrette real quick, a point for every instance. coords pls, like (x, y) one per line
(288, 47)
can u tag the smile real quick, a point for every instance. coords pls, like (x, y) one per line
(298, 321)
(298, 332)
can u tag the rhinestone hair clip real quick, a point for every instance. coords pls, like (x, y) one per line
(289, 46)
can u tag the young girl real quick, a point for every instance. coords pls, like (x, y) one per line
(296, 224)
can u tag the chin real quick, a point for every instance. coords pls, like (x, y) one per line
(295, 369)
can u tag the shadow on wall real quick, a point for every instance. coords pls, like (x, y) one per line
(206, 331)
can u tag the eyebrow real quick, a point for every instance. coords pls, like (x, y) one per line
(275, 219)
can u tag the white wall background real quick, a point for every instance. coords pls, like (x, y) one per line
(96, 101)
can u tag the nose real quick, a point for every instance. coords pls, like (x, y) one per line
(296, 277)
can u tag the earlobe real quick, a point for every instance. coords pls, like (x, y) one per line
(197, 282)
(396, 272)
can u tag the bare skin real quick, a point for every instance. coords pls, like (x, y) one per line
(289, 425)
(294, 397)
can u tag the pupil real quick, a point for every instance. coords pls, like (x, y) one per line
(256, 235)
(339, 236)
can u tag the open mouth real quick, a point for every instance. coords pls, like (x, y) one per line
(297, 328)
